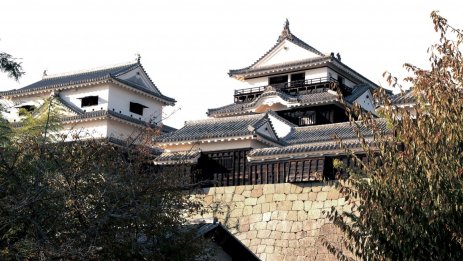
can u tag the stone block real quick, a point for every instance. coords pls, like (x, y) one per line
(246, 193)
(301, 215)
(317, 204)
(227, 197)
(282, 214)
(269, 249)
(295, 189)
(237, 212)
(275, 234)
(288, 236)
(232, 222)
(230, 190)
(294, 243)
(220, 190)
(288, 187)
(256, 193)
(251, 234)
(265, 207)
(312, 196)
(275, 215)
(284, 226)
(327, 188)
(268, 241)
(317, 188)
(296, 227)
(207, 200)
(333, 194)
(272, 225)
(268, 189)
(291, 197)
(257, 209)
(328, 204)
(261, 249)
(248, 187)
(307, 205)
(243, 228)
(279, 197)
(314, 214)
(280, 188)
(264, 233)
(266, 216)
(261, 200)
(238, 198)
(321, 196)
(301, 234)
(244, 220)
(303, 196)
(250, 201)
(284, 205)
(292, 215)
(255, 218)
(247, 210)
(239, 190)
(281, 242)
(269, 198)
(260, 225)
(308, 225)
(255, 242)
(246, 241)
(298, 205)
(238, 204)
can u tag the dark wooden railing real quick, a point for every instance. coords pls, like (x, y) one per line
(285, 85)
(294, 87)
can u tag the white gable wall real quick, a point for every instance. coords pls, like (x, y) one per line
(366, 101)
(281, 128)
(11, 112)
(120, 98)
(137, 75)
(285, 52)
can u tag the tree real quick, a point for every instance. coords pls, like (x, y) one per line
(9, 65)
(407, 198)
(88, 199)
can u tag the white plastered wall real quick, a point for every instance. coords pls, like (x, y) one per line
(75, 96)
(123, 131)
(10, 106)
(120, 98)
(84, 130)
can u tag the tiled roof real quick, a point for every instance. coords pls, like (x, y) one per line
(403, 98)
(321, 149)
(300, 64)
(54, 82)
(70, 106)
(321, 96)
(326, 132)
(218, 128)
(178, 157)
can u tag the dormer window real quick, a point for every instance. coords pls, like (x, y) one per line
(89, 101)
(25, 109)
(137, 108)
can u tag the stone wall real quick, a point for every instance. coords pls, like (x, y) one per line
(279, 221)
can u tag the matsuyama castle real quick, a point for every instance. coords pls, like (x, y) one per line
(281, 125)
(116, 102)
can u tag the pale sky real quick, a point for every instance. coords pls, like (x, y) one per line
(187, 47)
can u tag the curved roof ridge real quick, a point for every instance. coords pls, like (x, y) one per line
(92, 70)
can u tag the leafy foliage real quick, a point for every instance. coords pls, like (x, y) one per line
(88, 199)
(407, 199)
(9, 65)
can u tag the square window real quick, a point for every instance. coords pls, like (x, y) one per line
(89, 101)
(137, 108)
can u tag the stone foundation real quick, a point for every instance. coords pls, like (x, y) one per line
(279, 221)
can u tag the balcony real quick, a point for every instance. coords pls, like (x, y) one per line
(292, 88)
